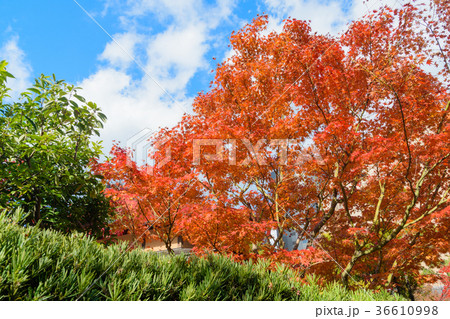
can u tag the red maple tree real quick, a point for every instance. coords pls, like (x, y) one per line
(149, 200)
(340, 141)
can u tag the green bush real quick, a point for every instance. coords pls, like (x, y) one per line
(45, 155)
(38, 264)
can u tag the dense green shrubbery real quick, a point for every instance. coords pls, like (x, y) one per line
(38, 264)
(46, 149)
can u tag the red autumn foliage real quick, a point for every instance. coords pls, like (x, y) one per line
(148, 200)
(342, 141)
(445, 278)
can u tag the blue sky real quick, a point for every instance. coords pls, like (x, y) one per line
(161, 55)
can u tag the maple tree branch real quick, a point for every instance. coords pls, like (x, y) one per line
(212, 242)
(385, 240)
(406, 138)
(327, 216)
(322, 191)
(346, 207)
(142, 211)
(405, 133)
(266, 196)
(279, 237)
(360, 117)
(133, 231)
(300, 235)
(441, 50)
(433, 197)
(151, 206)
(395, 167)
(216, 236)
(444, 116)
(443, 200)
(427, 171)
(376, 218)
(314, 89)
(380, 261)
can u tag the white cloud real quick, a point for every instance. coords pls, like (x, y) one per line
(326, 16)
(170, 58)
(130, 107)
(121, 51)
(175, 55)
(176, 9)
(361, 8)
(17, 66)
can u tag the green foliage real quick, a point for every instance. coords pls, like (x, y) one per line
(45, 151)
(38, 264)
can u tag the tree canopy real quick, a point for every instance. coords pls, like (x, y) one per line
(340, 141)
(45, 152)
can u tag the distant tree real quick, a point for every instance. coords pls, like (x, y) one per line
(150, 201)
(45, 152)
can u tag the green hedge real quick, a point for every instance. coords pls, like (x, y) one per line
(40, 264)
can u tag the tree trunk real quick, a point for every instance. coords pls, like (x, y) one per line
(346, 274)
(169, 249)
